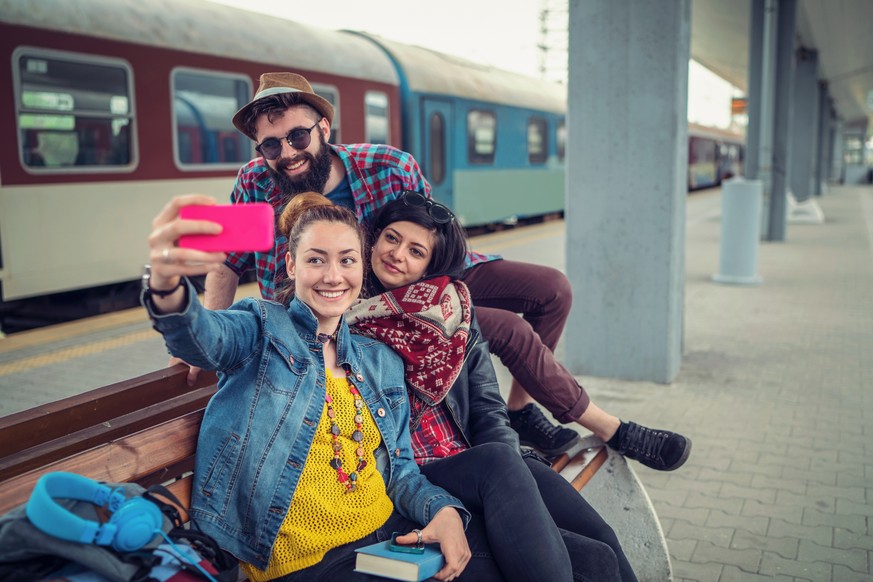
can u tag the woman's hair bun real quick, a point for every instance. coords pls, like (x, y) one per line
(299, 204)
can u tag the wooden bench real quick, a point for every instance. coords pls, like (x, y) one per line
(144, 430)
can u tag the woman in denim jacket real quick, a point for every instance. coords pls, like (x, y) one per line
(304, 452)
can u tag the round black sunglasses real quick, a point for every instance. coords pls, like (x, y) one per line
(298, 138)
(440, 213)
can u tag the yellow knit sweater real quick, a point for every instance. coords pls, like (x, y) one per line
(322, 515)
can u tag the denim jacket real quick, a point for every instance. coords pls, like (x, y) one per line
(258, 428)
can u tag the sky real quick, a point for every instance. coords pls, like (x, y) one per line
(500, 33)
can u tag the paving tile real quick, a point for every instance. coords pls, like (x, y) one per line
(681, 549)
(747, 559)
(754, 525)
(853, 477)
(812, 552)
(761, 494)
(729, 505)
(785, 547)
(844, 574)
(820, 501)
(856, 524)
(845, 506)
(821, 535)
(753, 507)
(684, 514)
(774, 565)
(735, 477)
(849, 540)
(779, 484)
(691, 572)
(717, 536)
(734, 574)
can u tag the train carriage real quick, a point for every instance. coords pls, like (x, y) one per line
(491, 142)
(118, 104)
(714, 155)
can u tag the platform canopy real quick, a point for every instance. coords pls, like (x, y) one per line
(840, 30)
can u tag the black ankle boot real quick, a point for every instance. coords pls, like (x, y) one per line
(661, 450)
(535, 430)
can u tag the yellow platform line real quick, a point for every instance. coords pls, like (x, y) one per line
(500, 242)
(108, 321)
(25, 364)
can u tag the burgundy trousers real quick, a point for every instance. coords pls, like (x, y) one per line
(501, 290)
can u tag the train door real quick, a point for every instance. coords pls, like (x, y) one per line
(437, 158)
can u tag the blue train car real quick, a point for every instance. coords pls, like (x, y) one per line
(490, 142)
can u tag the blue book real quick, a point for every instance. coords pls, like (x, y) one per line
(378, 560)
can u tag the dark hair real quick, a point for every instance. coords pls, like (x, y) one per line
(450, 240)
(274, 107)
(304, 210)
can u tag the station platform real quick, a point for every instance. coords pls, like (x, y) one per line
(774, 391)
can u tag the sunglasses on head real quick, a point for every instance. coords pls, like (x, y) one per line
(298, 138)
(439, 213)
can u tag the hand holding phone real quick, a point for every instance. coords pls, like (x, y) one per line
(395, 547)
(244, 227)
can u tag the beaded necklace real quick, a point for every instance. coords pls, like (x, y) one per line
(348, 480)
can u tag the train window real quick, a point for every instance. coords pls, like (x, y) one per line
(204, 103)
(331, 93)
(376, 117)
(537, 140)
(481, 136)
(74, 111)
(437, 149)
(561, 138)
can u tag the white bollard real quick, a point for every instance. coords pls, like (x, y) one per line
(740, 232)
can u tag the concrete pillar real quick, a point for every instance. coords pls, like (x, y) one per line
(626, 187)
(824, 128)
(782, 118)
(837, 165)
(756, 82)
(762, 86)
(804, 133)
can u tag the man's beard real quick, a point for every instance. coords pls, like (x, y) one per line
(311, 181)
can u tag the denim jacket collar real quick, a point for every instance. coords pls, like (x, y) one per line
(306, 324)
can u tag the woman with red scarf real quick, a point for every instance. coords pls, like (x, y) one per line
(461, 435)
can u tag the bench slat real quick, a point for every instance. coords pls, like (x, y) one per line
(82, 440)
(579, 469)
(56, 420)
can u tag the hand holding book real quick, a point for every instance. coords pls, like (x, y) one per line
(399, 562)
(445, 543)
(447, 529)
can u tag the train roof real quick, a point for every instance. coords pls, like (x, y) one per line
(206, 27)
(429, 71)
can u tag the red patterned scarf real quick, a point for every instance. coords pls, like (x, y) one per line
(427, 324)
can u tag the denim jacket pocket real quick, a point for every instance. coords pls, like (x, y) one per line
(395, 395)
(283, 370)
(218, 479)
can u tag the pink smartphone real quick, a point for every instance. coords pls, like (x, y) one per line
(245, 227)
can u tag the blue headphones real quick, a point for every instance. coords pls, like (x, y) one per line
(133, 523)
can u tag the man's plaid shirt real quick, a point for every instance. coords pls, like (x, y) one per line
(376, 174)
